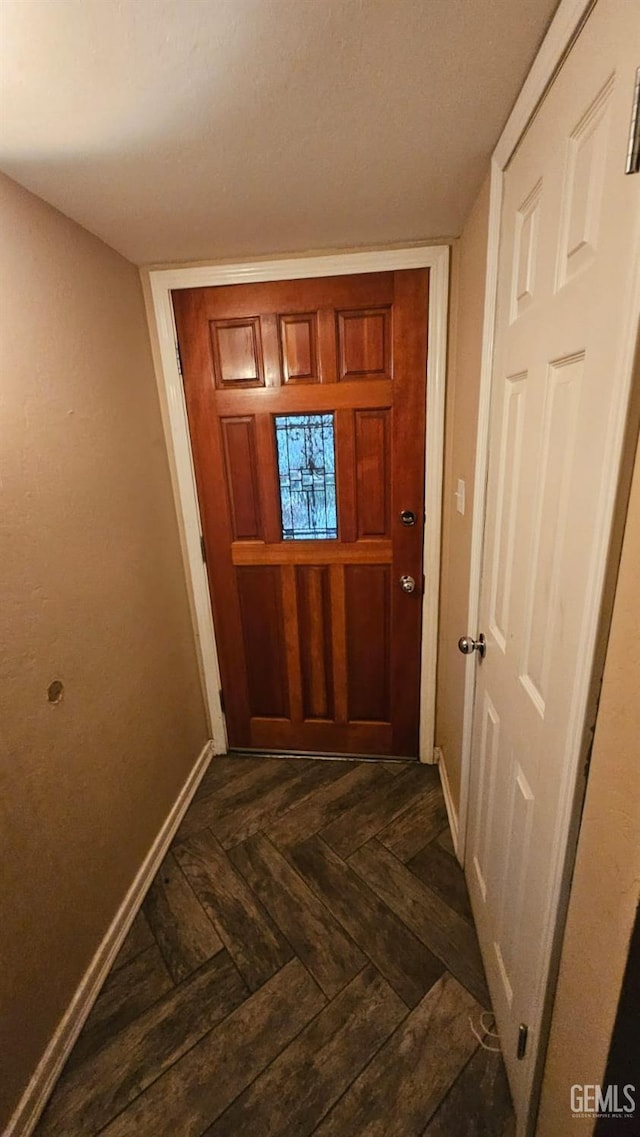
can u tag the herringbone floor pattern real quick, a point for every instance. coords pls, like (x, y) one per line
(304, 963)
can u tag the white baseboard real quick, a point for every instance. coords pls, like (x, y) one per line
(452, 812)
(49, 1068)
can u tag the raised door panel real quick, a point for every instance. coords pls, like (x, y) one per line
(364, 344)
(368, 633)
(299, 348)
(527, 226)
(507, 496)
(260, 594)
(487, 781)
(557, 460)
(315, 629)
(510, 892)
(237, 353)
(584, 185)
(373, 472)
(241, 468)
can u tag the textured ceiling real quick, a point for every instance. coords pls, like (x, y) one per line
(202, 129)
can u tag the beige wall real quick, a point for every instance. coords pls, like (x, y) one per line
(463, 383)
(606, 882)
(93, 594)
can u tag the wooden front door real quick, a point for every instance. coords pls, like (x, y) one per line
(306, 407)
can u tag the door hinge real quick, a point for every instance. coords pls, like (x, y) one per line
(222, 706)
(633, 149)
(523, 1031)
(203, 549)
(178, 359)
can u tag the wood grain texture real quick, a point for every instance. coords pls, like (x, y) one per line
(353, 347)
(327, 344)
(254, 781)
(373, 472)
(184, 932)
(312, 553)
(187, 1097)
(316, 937)
(326, 804)
(268, 479)
(314, 633)
(368, 615)
(128, 991)
(254, 943)
(302, 399)
(137, 939)
(322, 737)
(259, 591)
(335, 1046)
(364, 344)
(478, 1104)
(445, 841)
(447, 935)
(407, 492)
(417, 825)
(289, 586)
(222, 770)
(339, 643)
(405, 962)
(443, 875)
(403, 1085)
(237, 352)
(368, 816)
(242, 820)
(240, 459)
(299, 348)
(96, 1090)
(320, 1038)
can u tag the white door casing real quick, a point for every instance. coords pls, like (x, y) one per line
(567, 298)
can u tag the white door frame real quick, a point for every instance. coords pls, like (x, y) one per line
(158, 284)
(562, 32)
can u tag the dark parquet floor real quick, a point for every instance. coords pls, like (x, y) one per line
(305, 962)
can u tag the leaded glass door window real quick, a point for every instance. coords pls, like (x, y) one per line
(307, 474)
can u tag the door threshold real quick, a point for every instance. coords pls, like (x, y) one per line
(322, 755)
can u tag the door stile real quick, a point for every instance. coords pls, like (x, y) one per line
(270, 349)
(339, 642)
(268, 488)
(215, 513)
(346, 474)
(292, 641)
(409, 417)
(326, 350)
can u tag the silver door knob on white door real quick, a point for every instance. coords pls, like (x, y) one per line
(467, 645)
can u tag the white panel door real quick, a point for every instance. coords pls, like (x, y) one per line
(568, 258)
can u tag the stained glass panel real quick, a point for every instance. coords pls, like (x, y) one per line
(307, 468)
